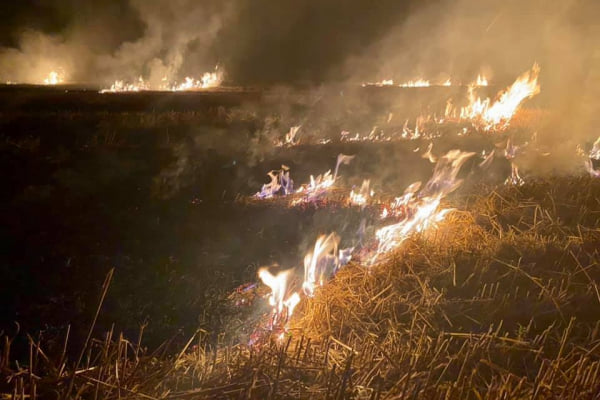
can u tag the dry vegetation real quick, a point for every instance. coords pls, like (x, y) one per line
(500, 302)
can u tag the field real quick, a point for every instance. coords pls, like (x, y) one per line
(127, 225)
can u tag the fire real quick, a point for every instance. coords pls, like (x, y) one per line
(447, 82)
(595, 152)
(206, 81)
(361, 198)
(320, 185)
(280, 183)
(290, 137)
(385, 82)
(416, 83)
(283, 305)
(54, 78)
(594, 155)
(510, 152)
(481, 81)
(319, 262)
(121, 86)
(498, 114)
(423, 210)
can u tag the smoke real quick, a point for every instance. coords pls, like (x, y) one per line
(161, 40)
(332, 41)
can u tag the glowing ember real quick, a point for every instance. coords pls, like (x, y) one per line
(498, 114)
(422, 211)
(54, 78)
(319, 263)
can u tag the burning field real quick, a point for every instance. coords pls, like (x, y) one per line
(421, 224)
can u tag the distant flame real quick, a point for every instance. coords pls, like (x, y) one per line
(54, 78)
(280, 183)
(207, 80)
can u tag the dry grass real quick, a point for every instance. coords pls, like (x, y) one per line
(500, 302)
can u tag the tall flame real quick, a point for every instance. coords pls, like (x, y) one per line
(499, 113)
(423, 210)
(316, 263)
(283, 306)
(54, 78)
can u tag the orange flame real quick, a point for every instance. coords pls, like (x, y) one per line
(282, 307)
(317, 262)
(423, 210)
(498, 114)
(54, 78)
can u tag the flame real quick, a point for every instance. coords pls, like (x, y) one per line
(206, 81)
(283, 306)
(317, 263)
(385, 82)
(498, 114)
(514, 178)
(589, 166)
(320, 185)
(448, 82)
(54, 78)
(416, 83)
(361, 198)
(280, 182)
(594, 155)
(481, 81)
(290, 137)
(422, 211)
(595, 152)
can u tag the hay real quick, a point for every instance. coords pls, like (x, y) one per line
(501, 301)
